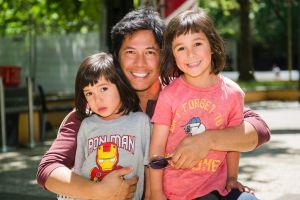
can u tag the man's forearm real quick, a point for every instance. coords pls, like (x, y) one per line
(191, 150)
(64, 181)
(241, 138)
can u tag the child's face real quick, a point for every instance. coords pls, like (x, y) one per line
(192, 54)
(103, 98)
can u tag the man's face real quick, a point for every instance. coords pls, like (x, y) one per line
(139, 58)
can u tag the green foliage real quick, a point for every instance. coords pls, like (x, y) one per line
(268, 21)
(224, 14)
(45, 17)
(252, 85)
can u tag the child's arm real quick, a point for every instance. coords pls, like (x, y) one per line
(232, 159)
(147, 184)
(157, 148)
(232, 173)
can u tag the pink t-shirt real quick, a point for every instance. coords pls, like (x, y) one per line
(188, 111)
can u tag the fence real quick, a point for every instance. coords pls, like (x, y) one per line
(51, 60)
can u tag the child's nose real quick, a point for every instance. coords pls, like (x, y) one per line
(190, 53)
(98, 97)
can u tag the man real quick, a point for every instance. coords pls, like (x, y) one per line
(137, 40)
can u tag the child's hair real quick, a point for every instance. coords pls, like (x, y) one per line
(193, 21)
(101, 65)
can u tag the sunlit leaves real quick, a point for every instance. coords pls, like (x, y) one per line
(46, 17)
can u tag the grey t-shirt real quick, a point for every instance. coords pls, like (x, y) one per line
(105, 145)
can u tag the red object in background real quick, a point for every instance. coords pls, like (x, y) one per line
(11, 75)
(171, 6)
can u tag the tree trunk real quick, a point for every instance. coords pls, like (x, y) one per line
(299, 53)
(245, 57)
(289, 40)
(116, 10)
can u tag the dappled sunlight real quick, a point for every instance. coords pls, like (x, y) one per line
(18, 173)
(272, 167)
(32, 182)
(12, 166)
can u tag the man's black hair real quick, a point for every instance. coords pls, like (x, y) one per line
(140, 19)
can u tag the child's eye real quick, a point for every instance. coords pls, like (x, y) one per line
(197, 44)
(103, 89)
(87, 94)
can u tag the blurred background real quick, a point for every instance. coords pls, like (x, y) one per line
(42, 43)
(48, 39)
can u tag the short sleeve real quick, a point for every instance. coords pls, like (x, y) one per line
(146, 140)
(163, 110)
(80, 155)
(236, 115)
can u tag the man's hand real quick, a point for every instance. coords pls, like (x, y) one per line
(120, 188)
(190, 151)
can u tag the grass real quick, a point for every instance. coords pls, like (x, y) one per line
(253, 85)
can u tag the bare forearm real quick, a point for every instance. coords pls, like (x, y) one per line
(147, 183)
(64, 181)
(191, 150)
(233, 158)
(241, 138)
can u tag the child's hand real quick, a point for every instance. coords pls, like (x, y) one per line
(232, 183)
(158, 196)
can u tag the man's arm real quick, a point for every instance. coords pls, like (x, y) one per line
(54, 171)
(63, 181)
(245, 137)
(261, 128)
(55, 174)
(62, 151)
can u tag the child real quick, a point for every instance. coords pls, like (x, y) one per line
(199, 99)
(112, 135)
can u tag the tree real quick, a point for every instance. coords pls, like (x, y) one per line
(53, 16)
(116, 10)
(246, 65)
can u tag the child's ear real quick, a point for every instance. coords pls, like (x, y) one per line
(88, 109)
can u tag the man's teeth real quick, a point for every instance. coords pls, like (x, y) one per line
(140, 75)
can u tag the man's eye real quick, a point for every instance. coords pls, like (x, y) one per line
(150, 52)
(129, 52)
(180, 49)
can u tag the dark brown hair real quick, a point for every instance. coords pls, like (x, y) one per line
(193, 21)
(101, 65)
(144, 18)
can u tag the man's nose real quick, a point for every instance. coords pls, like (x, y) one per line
(140, 60)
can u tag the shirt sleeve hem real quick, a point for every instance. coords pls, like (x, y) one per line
(262, 130)
(48, 170)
